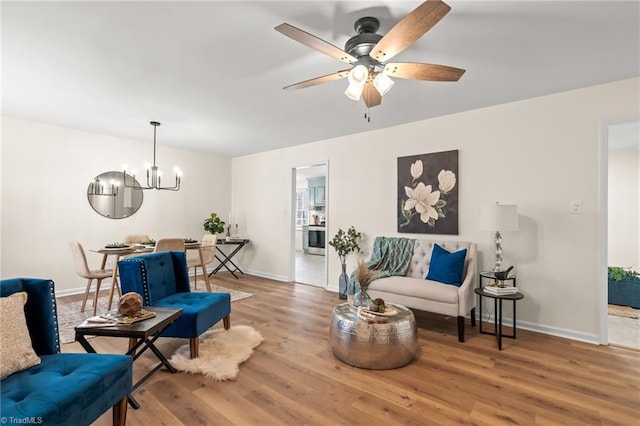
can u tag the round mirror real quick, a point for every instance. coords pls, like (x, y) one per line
(110, 198)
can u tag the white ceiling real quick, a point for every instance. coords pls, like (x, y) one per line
(213, 72)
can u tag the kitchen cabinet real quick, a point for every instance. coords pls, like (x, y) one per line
(305, 239)
(317, 191)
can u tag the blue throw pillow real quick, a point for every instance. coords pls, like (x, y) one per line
(446, 267)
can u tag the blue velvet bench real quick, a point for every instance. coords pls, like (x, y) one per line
(65, 388)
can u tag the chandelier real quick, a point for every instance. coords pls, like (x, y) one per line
(96, 187)
(154, 175)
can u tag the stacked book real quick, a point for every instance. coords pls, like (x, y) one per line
(500, 291)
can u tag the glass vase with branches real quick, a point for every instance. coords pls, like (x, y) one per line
(345, 243)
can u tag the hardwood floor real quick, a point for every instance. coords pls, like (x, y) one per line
(293, 377)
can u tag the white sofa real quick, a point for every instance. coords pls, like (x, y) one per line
(414, 291)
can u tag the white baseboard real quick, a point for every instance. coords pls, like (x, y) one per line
(70, 292)
(545, 329)
(267, 275)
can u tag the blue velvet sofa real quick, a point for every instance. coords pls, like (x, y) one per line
(162, 279)
(68, 389)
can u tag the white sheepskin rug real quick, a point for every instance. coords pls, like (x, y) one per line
(220, 352)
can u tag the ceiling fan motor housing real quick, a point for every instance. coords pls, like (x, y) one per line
(361, 44)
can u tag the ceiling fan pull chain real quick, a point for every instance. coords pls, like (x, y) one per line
(367, 115)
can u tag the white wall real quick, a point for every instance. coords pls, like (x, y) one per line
(45, 174)
(624, 202)
(539, 153)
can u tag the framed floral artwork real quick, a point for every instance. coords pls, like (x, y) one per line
(428, 193)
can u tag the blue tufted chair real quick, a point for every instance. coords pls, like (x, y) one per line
(65, 388)
(163, 281)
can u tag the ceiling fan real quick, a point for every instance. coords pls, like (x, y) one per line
(369, 54)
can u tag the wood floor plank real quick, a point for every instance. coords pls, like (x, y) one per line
(294, 378)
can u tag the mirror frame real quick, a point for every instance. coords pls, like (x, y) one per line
(114, 192)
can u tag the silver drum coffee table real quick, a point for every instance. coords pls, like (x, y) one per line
(377, 346)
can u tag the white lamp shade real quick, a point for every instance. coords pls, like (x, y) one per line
(354, 91)
(358, 75)
(499, 217)
(383, 83)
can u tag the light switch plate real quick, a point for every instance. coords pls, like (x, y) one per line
(575, 207)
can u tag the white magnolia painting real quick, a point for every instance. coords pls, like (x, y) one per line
(428, 193)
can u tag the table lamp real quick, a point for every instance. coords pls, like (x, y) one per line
(499, 217)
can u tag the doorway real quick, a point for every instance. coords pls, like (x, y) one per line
(309, 185)
(622, 247)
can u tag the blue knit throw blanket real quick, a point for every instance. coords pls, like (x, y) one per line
(391, 256)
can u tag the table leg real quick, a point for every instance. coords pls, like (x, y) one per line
(514, 319)
(227, 259)
(223, 263)
(499, 330)
(495, 319)
(480, 303)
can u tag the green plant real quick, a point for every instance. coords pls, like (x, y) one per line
(345, 243)
(213, 224)
(618, 273)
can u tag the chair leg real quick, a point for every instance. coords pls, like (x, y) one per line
(194, 345)
(473, 317)
(86, 295)
(195, 277)
(120, 412)
(95, 296)
(226, 321)
(461, 329)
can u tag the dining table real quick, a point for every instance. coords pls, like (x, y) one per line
(134, 249)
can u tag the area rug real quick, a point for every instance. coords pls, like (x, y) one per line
(69, 315)
(220, 354)
(623, 311)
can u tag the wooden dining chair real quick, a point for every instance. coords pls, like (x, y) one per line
(169, 244)
(82, 269)
(136, 238)
(208, 251)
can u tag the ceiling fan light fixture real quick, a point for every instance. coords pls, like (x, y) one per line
(354, 91)
(358, 75)
(383, 83)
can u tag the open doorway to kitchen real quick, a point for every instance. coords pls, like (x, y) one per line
(623, 234)
(309, 224)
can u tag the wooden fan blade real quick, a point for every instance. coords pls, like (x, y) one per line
(417, 71)
(315, 43)
(409, 29)
(371, 96)
(319, 80)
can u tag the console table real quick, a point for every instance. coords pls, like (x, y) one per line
(226, 258)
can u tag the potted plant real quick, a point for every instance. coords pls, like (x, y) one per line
(214, 224)
(345, 243)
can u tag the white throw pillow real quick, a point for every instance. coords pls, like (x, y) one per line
(16, 352)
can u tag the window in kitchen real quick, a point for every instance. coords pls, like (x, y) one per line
(302, 207)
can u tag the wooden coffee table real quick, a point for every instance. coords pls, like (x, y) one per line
(376, 346)
(142, 336)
